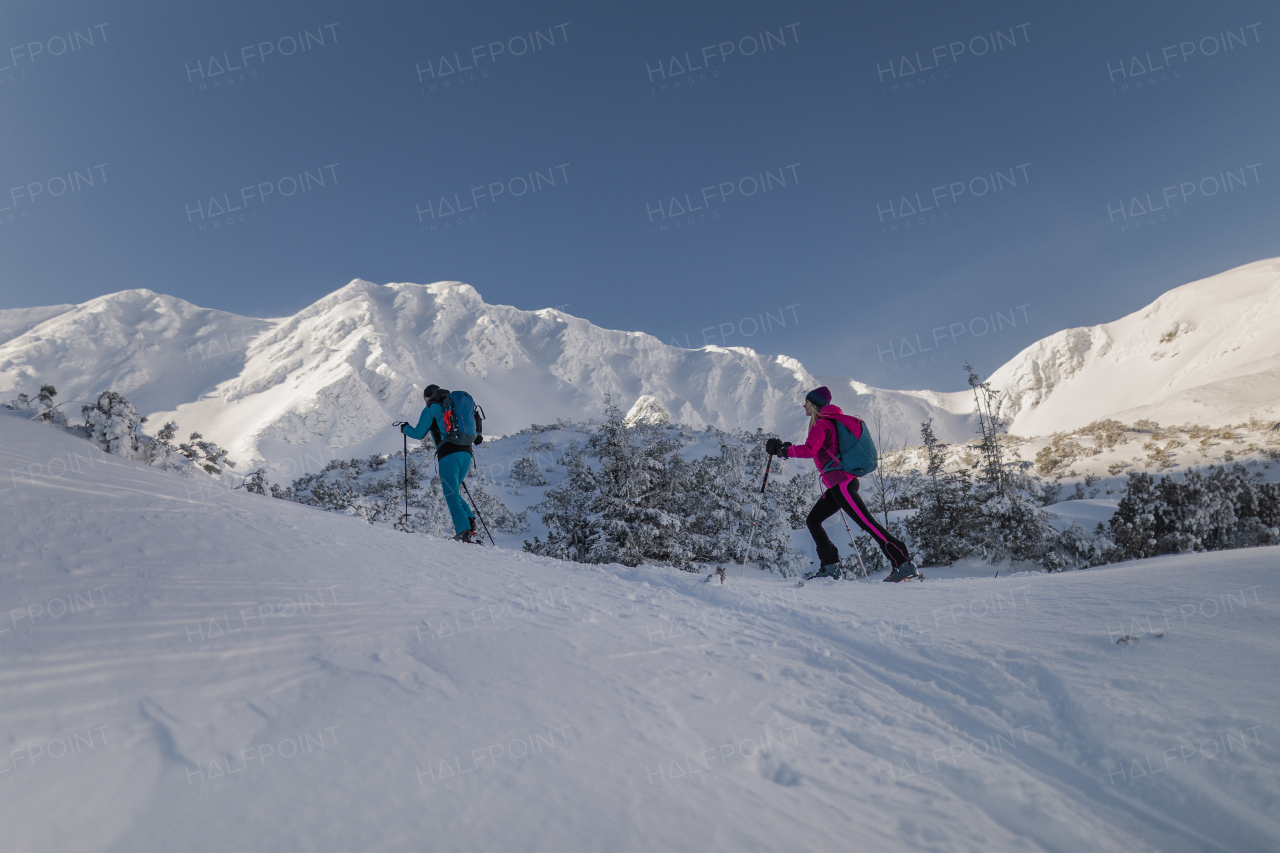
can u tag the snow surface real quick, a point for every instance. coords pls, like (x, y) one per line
(328, 382)
(214, 670)
(15, 321)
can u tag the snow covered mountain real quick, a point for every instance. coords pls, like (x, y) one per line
(328, 381)
(1207, 352)
(333, 377)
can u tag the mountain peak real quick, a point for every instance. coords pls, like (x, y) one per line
(334, 376)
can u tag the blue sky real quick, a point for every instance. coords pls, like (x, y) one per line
(841, 183)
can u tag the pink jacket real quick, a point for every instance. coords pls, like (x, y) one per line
(821, 445)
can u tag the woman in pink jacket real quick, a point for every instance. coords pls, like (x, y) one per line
(840, 488)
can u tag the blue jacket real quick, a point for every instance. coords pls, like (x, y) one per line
(432, 421)
(432, 416)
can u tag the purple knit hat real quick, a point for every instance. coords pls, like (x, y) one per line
(819, 396)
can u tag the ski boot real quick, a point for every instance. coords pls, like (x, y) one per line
(902, 573)
(465, 536)
(830, 570)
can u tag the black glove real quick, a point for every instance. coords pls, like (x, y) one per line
(775, 447)
(401, 424)
(479, 439)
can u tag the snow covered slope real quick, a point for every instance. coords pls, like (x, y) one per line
(217, 671)
(1207, 352)
(156, 349)
(15, 321)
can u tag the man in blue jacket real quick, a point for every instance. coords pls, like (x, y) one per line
(454, 460)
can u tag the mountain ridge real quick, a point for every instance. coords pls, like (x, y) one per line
(334, 375)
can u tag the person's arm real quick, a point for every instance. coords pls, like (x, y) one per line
(424, 422)
(813, 442)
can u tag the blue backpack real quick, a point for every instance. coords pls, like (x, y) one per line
(462, 418)
(856, 456)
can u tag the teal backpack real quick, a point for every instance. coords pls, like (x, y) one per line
(856, 456)
(462, 418)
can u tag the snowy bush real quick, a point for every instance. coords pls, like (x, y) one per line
(43, 405)
(205, 454)
(255, 482)
(525, 472)
(629, 496)
(45, 409)
(1225, 508)
(798, 495)
(939, 529)
(1077, 548)
(720, 499)
(112, 423)
(616, 504)
(1014, 528)
(163, 454)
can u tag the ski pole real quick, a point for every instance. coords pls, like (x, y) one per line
(478, 515)
(767, 466)
(857, 552)
(403, 435)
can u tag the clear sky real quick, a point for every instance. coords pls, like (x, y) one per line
(845, 183)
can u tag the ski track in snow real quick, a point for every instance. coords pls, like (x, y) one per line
(236, 672)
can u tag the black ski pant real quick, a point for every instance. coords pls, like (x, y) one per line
(845, 497)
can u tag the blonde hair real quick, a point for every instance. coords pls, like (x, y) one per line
(813, 418)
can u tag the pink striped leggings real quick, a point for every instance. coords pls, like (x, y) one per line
(845, 497)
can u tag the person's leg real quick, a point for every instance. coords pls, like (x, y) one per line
(892, 546)
(452, 469)
(822, 510)
(465, 468)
